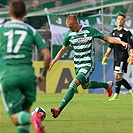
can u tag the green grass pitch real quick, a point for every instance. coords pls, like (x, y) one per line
(87, 113)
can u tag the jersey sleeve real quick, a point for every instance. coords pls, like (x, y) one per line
(130, 39)
(111, 45)
(96, 33)
(66, 39)
(39, 41)
(132, 42)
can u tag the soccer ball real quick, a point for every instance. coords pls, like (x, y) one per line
(41, 111)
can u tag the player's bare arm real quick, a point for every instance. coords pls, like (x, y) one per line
(116, 41)
(109, 50)
(42, 76)
(47, 59)
(58, 56)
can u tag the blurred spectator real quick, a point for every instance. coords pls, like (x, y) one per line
(46, 34)
(106, 10)
(57, 3)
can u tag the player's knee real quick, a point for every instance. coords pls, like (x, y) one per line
(118, 76)
(72, 86)
(86, 85)
(76, 81)
(14, 119)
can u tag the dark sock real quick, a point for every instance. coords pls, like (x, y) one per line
(68, 96)
(126, 84)
(118, 86)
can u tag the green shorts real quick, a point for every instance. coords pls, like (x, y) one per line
(83, 74)
(18, 91)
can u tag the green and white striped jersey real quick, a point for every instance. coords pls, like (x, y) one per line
(16, 43)
(82, 44)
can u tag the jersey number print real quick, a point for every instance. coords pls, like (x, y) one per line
(10, 35)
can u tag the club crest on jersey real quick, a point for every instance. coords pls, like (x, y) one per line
(121, 35)
(85, 35)
(113, 34)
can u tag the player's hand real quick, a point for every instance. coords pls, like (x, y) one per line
(130, 59)
(42, 83)
(105, 59)
(126, 45)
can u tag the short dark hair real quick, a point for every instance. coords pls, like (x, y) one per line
(18, 8)
(120, 14)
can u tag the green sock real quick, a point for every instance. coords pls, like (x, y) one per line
(23, 129)
(96, 84)
(68, 96)
(23, 117)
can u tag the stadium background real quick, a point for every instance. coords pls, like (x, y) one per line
(48, 17)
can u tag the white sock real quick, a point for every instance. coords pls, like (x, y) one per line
(130, 91)
(116, 94)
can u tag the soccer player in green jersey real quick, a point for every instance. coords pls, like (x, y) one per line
(80, 38)
(17, 74)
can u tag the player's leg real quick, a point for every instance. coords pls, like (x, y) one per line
(97, 84)
(29, 90)
(121, 81)
(67, 97)
(126, 85)
(12, 100)
(86, 84)
(22, 121)
(17, 104)
(118, 82)
(119, 69)
(81, 78)
(70, 93)
(124, 82)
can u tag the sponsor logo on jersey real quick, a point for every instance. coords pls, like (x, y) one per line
(83, 70)
(82, 39)
(85, 39)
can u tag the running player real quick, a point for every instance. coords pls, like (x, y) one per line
(17, 78)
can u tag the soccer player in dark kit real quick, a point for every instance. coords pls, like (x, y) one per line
(120, 55)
